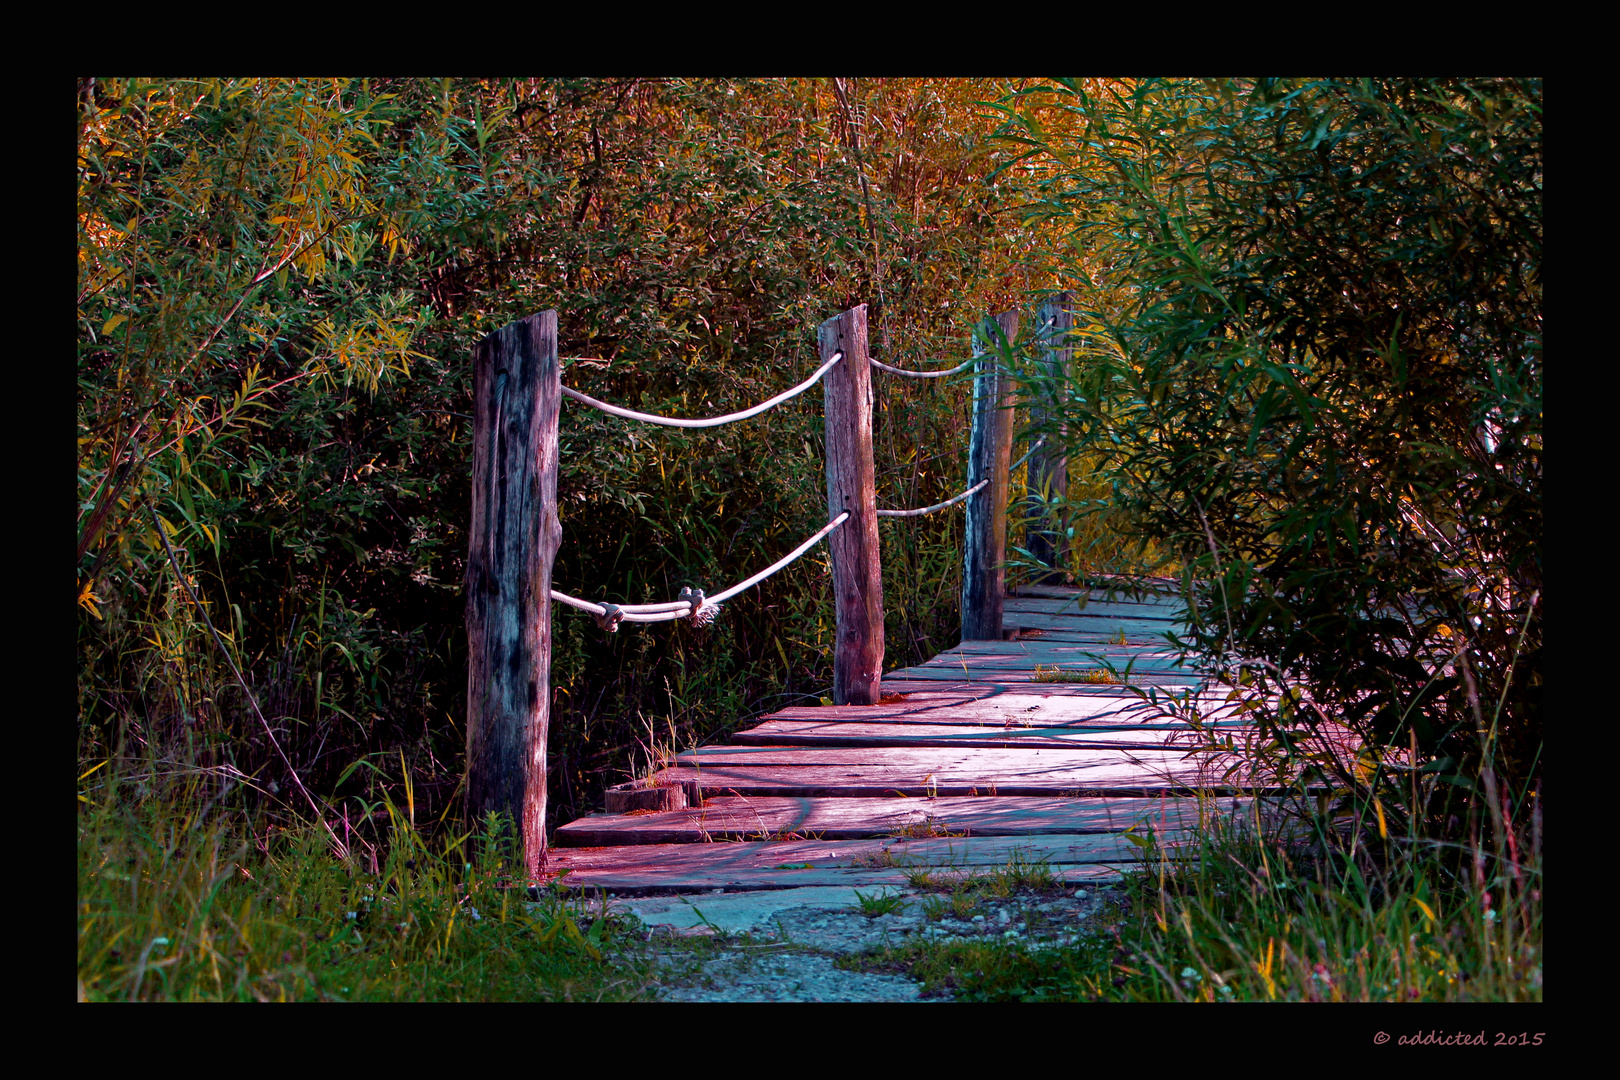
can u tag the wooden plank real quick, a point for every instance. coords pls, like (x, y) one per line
(653, 878)
(665, 869)
(1044, 648)
(983, 704)
(1100, 635)
(1095, 624)
(1053, 772)
(984, 544)
(946, 675)
(1159, 590)
(992, 687)
(1095, 609)
(853, 734)
(851, 488)
(1072, 658)
(1014, 761)
(733, 818)
(513, 538)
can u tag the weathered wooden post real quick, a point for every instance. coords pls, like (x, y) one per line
(984, 548)
(517, 388)
(852, 486)
(1047, 538)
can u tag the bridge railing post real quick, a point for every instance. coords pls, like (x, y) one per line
(515, 532)
(984, 548)
(852, 487)
(1045, 535)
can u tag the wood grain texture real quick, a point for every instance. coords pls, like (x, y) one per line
(1044, 538)
(778, 732)
(852, 488)
(984, 545)
(673, 871)
(735, 818)
(514, 536)
(915, 771)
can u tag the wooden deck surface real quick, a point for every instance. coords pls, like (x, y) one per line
(986, 750)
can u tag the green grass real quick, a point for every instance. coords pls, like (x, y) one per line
(178, 904)
(881, 903)
(1056, 674)
(1252, 917)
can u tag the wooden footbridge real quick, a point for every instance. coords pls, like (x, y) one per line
(993, 750)
(1029, 739)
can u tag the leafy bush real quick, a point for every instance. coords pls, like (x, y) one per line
(281, 283)
(1314, 373)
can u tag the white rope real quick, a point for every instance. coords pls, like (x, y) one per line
(937, 506)
(763, 574)
(958, 498)
(628, 616)
(1026, 457)
(713, 421)
(644, 613)
(923, 374)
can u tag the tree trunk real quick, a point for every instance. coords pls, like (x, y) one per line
(852, 486)
(517, 388)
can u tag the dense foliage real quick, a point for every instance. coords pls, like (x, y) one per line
(1308, 379)
(280, 287)
(1317, 378)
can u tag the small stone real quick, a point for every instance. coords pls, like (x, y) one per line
(1080, 894)
(978, 918)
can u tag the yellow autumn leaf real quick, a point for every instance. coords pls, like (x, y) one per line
(112, 324)
(87, 599)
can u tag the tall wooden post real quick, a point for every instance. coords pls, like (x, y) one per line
(852, 486)
(1046, 538)
(984, 576)
(517, 388)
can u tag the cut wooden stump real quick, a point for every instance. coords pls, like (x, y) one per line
(642, 797)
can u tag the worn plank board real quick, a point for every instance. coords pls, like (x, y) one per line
(734, 818)
(1111, 624)
(1106, 708)
(943, 674)
(1039, 648)
(1048, 659)
(854, 733)
(921, 757)
(654, 878)
(1156, 590)
(1142, 639)
(1029, 653)
(1057, 773)
(1093, 609)
(655, 869)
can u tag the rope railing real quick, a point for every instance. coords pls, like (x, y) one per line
(919, 512)
(713, 421)
(954, 499)
(608, 616)
(922, 374)
(693, 603)
(1029, 454)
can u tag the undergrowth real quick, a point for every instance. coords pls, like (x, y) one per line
(180, 901)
